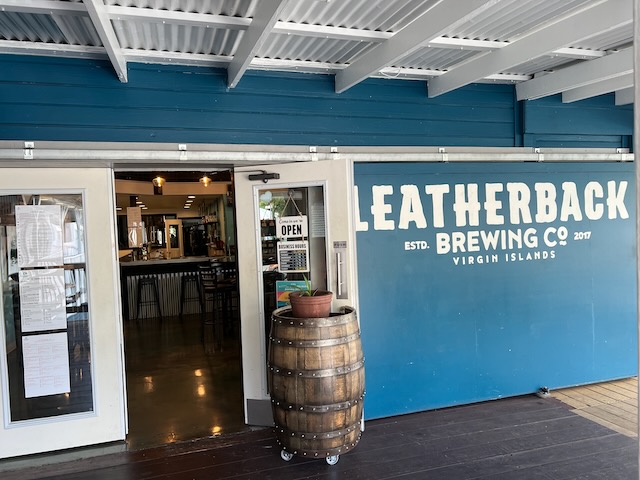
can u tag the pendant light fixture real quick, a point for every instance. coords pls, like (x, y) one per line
(158, 181)
(205, 180)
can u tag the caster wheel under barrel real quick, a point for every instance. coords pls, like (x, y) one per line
(332, 459)
(286, 456)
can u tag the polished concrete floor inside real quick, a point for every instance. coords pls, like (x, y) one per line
(183, 382)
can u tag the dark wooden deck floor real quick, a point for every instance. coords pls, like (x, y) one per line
(517, 438)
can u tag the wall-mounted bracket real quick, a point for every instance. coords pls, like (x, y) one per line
(182, 148)
(28, 150)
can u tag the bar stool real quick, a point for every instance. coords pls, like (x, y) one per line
(148, 286)
(227, 286)
(211, 325)
(186, 280)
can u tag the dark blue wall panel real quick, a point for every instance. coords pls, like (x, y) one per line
(62, 99)
(65, 99)
(591, 123)
(436, 333)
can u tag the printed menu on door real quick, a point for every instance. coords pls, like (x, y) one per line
(39, 235)
(42, 300)
(46, 364)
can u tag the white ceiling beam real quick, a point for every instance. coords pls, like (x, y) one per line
(583, 24)
(322, 31)
(107, 35)
(42, 6)
(265, 17)
(578, 53)
(221, 61)
(465, 44)
(177, 58)
(625, 97)
(428, 26)
(16, 47)
(180, 18)
(579, 75)
(506, 78)
(152, 15)
(310, 30)
(598, 88)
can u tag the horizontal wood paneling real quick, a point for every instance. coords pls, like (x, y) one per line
(66, 99)
(592, 116)
(63, 99)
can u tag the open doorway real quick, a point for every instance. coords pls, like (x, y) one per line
(176, 241)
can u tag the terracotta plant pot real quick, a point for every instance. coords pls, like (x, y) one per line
(315, 306)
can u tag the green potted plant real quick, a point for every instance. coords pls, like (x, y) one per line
(308, 302)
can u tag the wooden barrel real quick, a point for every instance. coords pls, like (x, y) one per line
(316, 382)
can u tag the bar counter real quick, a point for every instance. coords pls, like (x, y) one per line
(168, 274)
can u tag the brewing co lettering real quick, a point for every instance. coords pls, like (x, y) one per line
(517, 222)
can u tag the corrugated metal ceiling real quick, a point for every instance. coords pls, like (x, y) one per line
(354, 39)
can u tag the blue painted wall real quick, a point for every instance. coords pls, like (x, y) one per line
(591, 123)
(439, 335)
(438, 330)
(66, 99)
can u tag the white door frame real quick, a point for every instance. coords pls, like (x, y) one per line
(107, 421)
(336, 178)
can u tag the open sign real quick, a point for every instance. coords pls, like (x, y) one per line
(292, 227)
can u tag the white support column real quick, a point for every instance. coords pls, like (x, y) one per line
(102, 23)
(265, 17)
(580, 75)
(603, 17)
(598, 88)
(430, 25)
(636, 149)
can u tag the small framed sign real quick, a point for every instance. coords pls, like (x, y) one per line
(292, 227)
(293, 256)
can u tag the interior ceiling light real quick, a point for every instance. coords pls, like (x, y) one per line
(191, 196)
(205, 180)
(158, 181)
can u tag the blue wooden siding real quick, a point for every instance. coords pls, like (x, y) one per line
(591, 123)
(441, 328)
(65, 99)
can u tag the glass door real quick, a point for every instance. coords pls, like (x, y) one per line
(298, 227)
(61, 357)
